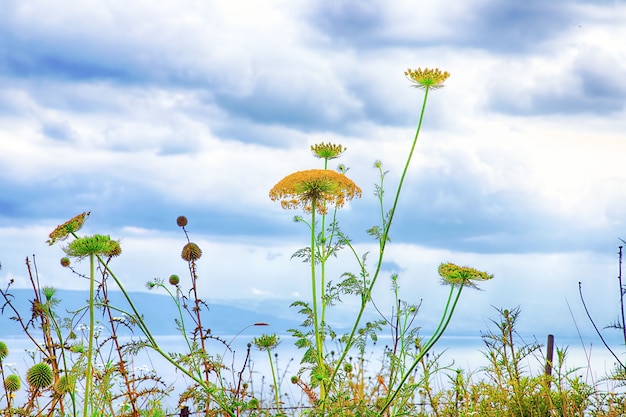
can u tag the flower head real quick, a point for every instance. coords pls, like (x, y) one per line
(427, 78)
(12, 383)
(4, 351)
(40, 376)
(462, 275)
(314, 186)
(73, 225)
(191, 252)
(266, 341)
(327, 150)
(92, 245)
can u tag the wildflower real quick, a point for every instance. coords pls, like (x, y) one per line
(48, 292)
(191, 252)
(327, 150)
(92, 245)
(315, 186)
(39, 375)
(266, 341)
(462, 275)
(427, 78)
(69, 227)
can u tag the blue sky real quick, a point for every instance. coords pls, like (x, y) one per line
(143, 111)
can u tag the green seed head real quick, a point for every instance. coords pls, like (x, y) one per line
(39, 376)
(4, 351)
(64, 385)
(12, 383)
(174, 280)
(65, 261)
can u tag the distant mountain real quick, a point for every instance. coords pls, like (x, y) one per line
(159, 311)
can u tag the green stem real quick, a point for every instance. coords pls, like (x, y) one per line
(383, 243)
(443, 324)
(92, 323)
(276, 391)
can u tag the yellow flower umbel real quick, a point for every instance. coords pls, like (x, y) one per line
(427, 78)
(314, 187)
(462, 275)
(71, 226)
(327, 150)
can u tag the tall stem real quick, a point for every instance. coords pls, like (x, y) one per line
(383, 243)
(92, 322)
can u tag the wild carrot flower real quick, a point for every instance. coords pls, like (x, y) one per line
(462, 275)
(92, 245)
(73, 225)
(266, 341)
(320, 186)
(327, 150)
(427, 78)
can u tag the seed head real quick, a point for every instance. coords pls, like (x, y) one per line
(71, 226)
(427, 78)
(302, 189)
(64, 385)
(39, 376)
(181, 221)
(12, 383)
(4, 351)
(114, 250)
(65, 261)
(191, 252)
(174, 280)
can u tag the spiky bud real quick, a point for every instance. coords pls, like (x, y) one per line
(174, 279)
(64, 385)
(4, 351)
(39, 376)
(12, 383)
(191, 252)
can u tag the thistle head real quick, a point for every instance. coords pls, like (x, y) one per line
(64, 385)
(4, 351)
(12, 383)
(461, 275)
(174, 280)
(427, 78)
(191, 252)
(39, 376)
(181, 221)
(71, 226)
(318, 187)
(327, 151)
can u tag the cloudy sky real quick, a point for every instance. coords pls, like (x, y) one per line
(142, 111)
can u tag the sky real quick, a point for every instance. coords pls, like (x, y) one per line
(143, 111)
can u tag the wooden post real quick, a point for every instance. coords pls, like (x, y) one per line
(549, 355)
(184, 412)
